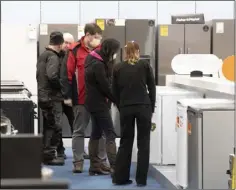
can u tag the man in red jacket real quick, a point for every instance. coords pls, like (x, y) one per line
(76, 91)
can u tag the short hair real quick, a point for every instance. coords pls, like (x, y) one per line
(131, 49)
(56, 38)
(92, 28)
(68, 36)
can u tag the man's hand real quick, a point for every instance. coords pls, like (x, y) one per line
(68, 102)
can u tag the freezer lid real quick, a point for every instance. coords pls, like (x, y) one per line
(12, 87)
(11, 83)
(207, 102)
(170, 91)
(218, 106)
(14, 97)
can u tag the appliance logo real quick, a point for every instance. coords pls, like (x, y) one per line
(187, 19)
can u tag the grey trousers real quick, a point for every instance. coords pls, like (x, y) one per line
(80, 124)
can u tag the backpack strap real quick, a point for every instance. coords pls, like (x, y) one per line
(75, 48)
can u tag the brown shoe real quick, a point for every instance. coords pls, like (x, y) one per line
(78, 167)
(96, 167)
(111, 154)
(105, 166)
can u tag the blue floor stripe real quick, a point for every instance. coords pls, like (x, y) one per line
(84, 181)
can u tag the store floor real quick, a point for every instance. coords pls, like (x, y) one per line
(84, 181)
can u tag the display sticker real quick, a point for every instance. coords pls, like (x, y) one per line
(164, 31)
(219, 27)
(153, 127)
(120, 22)
(177, 122)
(43, 29)
(189, 128)
(80, 32)
(101, 23)
(32, 32)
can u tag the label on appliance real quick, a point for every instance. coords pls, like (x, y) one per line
(80, 31)
(164, 31)
(219, 27)
(153, 127)
(32, 32)
(189, 128)
(120, 22)
(101, 23)
(43, 29)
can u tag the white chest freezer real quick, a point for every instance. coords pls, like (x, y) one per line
(183, 129)
(163, 138)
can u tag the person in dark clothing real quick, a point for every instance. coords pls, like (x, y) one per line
(98, 67)
(134, 89)
(50, 98)
(67, 109)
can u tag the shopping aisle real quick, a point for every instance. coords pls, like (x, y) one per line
(84, 181)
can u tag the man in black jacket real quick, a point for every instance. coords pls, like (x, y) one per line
(50, 98)
(67, 109)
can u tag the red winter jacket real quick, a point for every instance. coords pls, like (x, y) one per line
(75, 71)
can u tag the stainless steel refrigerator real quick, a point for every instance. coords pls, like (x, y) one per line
(141, 31)
(210, 141)
(179, 39)
(44, 33)
(223, 35)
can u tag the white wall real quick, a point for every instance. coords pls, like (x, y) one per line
(56, 12)
(18, 60)
(81, 12)
(85, 11)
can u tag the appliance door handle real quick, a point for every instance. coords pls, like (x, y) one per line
(121, 54)
(188, 50)
(180, 50)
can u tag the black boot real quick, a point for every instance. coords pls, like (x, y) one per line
(62, 155)
(57, 161)
(95, 161)
(50, 156)
(122, 183)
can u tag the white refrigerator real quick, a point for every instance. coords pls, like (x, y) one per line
(183, 130)
(164, 137)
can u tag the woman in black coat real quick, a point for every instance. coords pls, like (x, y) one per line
(135, 91)
(98, 69)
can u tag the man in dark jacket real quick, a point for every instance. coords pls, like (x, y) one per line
(50, 98)
(67, 109)
(75, 91)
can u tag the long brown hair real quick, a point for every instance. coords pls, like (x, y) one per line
(131, 52)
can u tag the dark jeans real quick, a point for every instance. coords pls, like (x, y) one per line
(143, 115)
(102, 124)
(52, 126)
(68, 111)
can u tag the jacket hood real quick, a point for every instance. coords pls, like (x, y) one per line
(93, 57)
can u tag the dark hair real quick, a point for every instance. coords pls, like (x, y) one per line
(92, 29)
(56, 38)
(131, 50)
(109, 47)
